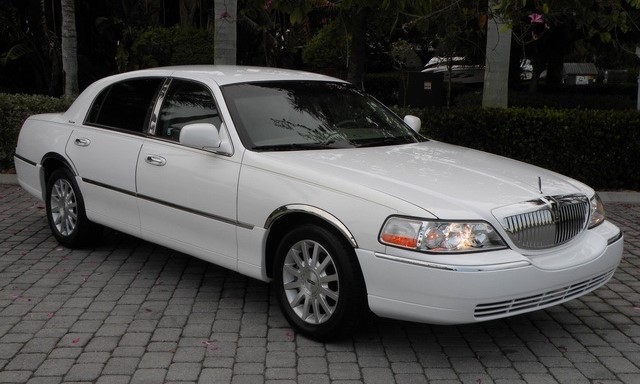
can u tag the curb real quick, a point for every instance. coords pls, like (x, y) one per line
(620, 197)
(8, 178)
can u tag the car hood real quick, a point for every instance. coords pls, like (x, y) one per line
(449, 181)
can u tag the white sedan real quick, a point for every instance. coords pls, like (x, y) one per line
(304, 181)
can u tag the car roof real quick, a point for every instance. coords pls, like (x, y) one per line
(220, 74)
(229, 74)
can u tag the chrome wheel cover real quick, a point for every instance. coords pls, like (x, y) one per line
(310, 282)
(64, 207)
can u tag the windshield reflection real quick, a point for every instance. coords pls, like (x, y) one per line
(296, 115)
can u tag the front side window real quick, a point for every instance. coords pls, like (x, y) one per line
(125, 105)
(293, 115)
(186, 102)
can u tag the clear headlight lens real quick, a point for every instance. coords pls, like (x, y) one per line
(597, 212)
(440, 236)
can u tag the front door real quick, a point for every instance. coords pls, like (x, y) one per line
(187, 196)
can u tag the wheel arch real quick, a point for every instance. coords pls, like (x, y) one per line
(50, 162)
(288, 216)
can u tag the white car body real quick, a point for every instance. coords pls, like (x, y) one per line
(220, 205)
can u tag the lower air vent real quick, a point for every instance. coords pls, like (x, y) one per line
(542, 300)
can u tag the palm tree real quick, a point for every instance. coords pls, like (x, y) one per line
(69, 44)
(496, 75)
(225, 31)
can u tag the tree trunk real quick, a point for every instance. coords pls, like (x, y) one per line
(46, 51)
(69, 49)
(496, 74)
(358, 55)
(188, 9)
(225, 32)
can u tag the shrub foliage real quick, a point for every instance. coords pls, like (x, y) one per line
(161, 46)
(14, 110)
(599, 148)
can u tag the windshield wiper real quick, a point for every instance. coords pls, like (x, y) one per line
(293, 146)
(385, 141)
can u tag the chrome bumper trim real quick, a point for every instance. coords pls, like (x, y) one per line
(455, 268)
(615, 238)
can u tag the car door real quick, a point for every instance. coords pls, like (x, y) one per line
(187, 196)
(105, 149)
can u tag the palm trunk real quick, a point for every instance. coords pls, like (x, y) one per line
(496, 75)
(69, 48)
(358, 54)
(46, 53)
(225, 32)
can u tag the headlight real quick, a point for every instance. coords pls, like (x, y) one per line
(440, 236)
(597, 212)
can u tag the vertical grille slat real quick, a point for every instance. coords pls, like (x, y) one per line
(556, 220)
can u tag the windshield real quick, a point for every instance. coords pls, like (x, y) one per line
(296, 115)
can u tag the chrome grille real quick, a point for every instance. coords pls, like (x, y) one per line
(541, 300)
(546, 222)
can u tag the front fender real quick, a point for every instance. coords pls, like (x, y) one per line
(314, 211)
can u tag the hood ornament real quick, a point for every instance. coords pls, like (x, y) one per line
(540, 184)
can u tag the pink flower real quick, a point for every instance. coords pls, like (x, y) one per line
(536, 18)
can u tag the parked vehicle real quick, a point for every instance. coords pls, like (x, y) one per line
(464, 73)
(460, 71)
(303, 181)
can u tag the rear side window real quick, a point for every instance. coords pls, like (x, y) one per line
(125, 105)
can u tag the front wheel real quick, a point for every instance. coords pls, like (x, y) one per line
(65, 210)
(318, 283)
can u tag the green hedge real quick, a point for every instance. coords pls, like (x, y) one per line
(602, 97)
(600, 148)
(161, 46)
(14, 110)
(386, 87)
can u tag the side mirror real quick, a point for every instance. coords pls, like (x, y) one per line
(413, 122)
(204, 136)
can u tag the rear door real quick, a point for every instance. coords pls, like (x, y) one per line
(104, 151)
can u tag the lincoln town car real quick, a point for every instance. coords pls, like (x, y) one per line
(308, 183)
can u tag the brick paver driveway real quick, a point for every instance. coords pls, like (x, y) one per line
(128, 311)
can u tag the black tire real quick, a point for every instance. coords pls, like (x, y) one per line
(65, 211)
(323, 298)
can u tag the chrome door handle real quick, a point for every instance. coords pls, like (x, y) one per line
(82, 142)
(156, 160)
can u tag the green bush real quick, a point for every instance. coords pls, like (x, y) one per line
(14, 110)
(161, 46)
(328, 48)
(599, 148)
(595, 96)
(584, 97)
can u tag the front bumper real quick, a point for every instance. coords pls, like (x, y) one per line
(414, 287)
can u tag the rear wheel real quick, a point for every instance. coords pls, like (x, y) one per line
(318, 282)
(65, 210)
